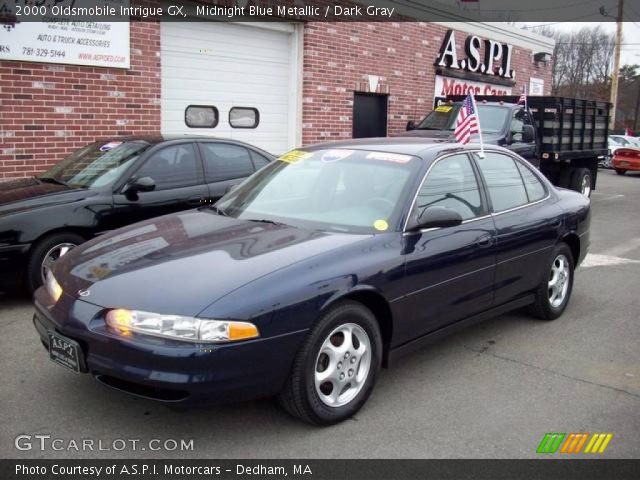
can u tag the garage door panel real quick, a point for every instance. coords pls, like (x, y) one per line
(227, 65)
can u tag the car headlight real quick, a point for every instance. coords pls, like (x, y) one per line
(53, 287)
(180, 328)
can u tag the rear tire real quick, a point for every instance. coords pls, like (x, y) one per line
(335, 371)
(47, 250)
(581, 181)
(620, 172)
(554, 291)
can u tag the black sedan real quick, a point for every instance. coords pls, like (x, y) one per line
(109, 184)
(314, 272)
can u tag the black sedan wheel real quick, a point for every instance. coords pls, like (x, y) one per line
(45, 253)
(554, 291)
(334, 372)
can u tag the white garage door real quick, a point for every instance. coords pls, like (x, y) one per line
(232, 65)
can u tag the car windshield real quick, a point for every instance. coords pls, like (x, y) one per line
(619, 140)
(443, 117)
(352, 191)
(96, 165)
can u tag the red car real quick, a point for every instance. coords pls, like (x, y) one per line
(626, 159)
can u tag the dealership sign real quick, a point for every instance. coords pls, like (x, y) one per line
(455, 86)
(59, 39)
(495, 61)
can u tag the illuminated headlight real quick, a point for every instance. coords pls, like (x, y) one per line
(53, 287)
(180, 328)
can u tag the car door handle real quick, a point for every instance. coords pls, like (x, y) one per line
(485, 241)
(195, 200)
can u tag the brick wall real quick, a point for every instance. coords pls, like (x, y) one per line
(339, 57)
(48, 110)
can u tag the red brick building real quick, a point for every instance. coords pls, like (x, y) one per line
(308, 82)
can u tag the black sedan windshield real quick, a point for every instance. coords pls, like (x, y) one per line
(343, 190)
(95, 165)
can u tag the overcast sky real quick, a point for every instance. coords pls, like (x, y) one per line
(630, 37)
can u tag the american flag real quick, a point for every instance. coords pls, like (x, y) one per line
(523, 99)
(467, 122)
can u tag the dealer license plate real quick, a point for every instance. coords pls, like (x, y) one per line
(64, 351)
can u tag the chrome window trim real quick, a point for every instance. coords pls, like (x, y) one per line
(537, 174)
(415, 197)
(510, 154)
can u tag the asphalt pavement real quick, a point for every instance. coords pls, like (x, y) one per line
(491, 391)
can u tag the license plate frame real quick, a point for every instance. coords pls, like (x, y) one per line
(65, 352)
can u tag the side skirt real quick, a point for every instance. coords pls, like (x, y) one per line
(398, 352)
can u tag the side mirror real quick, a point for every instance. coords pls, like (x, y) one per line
(437, 217)
(411, 125)
(528, 134)
(142, 184)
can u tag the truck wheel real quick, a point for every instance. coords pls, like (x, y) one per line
(620, 172)
(581, 181)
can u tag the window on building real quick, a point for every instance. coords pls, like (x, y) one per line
(451, 183)
(172, 167)
(201, 116)
(244, 117)
(225, 162)
(503, 180)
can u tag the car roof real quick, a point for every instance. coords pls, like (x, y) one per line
(425, 148)
(155, 139)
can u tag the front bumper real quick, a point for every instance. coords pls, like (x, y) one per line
(167, 370)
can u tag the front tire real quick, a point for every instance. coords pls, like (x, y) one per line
(620, 172)
(334, 372)
(554, 292)
(46, 251)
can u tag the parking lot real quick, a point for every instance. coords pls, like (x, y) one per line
(492, 391)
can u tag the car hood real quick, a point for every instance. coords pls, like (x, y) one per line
(28, 193)
(183, 262)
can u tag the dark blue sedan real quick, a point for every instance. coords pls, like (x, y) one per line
(313, 273)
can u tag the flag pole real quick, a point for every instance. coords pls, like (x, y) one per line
(475, 109)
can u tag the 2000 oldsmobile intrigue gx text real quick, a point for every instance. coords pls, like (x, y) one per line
(313, 273)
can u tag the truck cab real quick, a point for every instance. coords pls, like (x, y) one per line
(505, 124)
(564, 138)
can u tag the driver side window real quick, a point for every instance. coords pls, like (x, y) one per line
(452, 183)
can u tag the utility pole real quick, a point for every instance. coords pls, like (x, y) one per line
(616, 65)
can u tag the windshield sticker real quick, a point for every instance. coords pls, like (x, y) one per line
(443, 108)
(108, 146)
(294, 156)
(335, 155)
(381, 225)
(389, 157)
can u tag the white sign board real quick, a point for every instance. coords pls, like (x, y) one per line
(536, 86)
(61, 40)
(456, 86)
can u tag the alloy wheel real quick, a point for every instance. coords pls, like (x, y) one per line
(53, 254)
(343, 364)
(559, 279)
